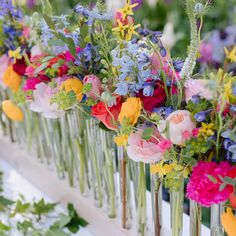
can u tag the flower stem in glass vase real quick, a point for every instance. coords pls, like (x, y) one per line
(156, 191)
(141, 198)
(177, 201)
(125, 188)
(195, 218)
(216, 226)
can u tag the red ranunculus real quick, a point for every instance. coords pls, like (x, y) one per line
(20, 66)
(103, 113)
(157, 100)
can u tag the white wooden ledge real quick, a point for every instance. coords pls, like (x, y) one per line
(58, 190)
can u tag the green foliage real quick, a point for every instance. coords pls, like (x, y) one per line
(40, 208)
(76, 221)
(20, 208)
(87, 88)
(147, 133)
(5, 202)
(24, 226)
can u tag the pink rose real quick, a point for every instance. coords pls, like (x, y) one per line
(4, 63)
(202, 189)
(179, 124)
(42, 102)
(147, 151)
(198, 87)
(96, 86)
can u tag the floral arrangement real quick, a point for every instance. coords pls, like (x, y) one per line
(108, 67)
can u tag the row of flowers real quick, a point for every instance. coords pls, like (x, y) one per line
(120, 73)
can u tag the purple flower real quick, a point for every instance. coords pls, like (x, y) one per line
(201, 116)
(140, 3)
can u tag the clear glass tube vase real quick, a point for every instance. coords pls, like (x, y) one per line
(177, 201)
(195, 218)
(156, 191)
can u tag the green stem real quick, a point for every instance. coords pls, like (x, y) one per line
(142, 199)
(111, 181)
(81, 166)
(190, 61)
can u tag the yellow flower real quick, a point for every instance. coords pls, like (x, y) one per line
(130, 110)
(11, 79)
(121, 29)
(207, 129)
(228, 93)
(12, 111)
(131, 31)
(121, 140)
(127, 10)
(162, 169)
(231, 55)
(228, 220)
(15, 54)
(74, 85)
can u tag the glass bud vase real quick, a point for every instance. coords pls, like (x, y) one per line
(195, 218)
(124, 188)
(177, 201)
(156, 191)
(216, 227)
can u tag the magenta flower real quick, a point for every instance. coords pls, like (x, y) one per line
(202, 189)
(96, 86)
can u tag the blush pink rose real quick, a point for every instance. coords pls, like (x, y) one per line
(203, 190)
(96, 86)
(198, 87)
(4, 63)
(142, 150)
(178, 124)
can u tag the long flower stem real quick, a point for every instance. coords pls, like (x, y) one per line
(142, 199)
(190, 61)
(81, 166)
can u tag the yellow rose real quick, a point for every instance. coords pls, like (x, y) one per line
(74, 85)
(12, 111)
(130, 110)
(11, 79)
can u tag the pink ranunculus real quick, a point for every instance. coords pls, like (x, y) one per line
(42, 102)
(4, 63)
(96, 86)
(195, 132)
(202, 189)
(197, 87)
(176, 126)
(147, 151)
(31, 83)
(165, 145)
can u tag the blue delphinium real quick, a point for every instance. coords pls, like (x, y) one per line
(202, 115)
(6, 8)
(164, 112)
(229, 144)
(134, 63)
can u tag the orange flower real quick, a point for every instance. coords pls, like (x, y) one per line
(74, 85)
(130, 110)
(228, 220)
(11, 79)
(12, 111)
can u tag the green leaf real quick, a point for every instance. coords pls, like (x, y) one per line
(41, 207)
(87, 88)
(56, 232)
(24, 226)
(41, 67)
(4, 202)
(222, 186)
(76, 221)
(71, 46)
(213, 179)
(147, 133)
(4, 227)
(20, 208)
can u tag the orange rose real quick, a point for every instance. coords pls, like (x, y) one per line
(74, 85)
(12, 111)
(130, 110)
(11, 79)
